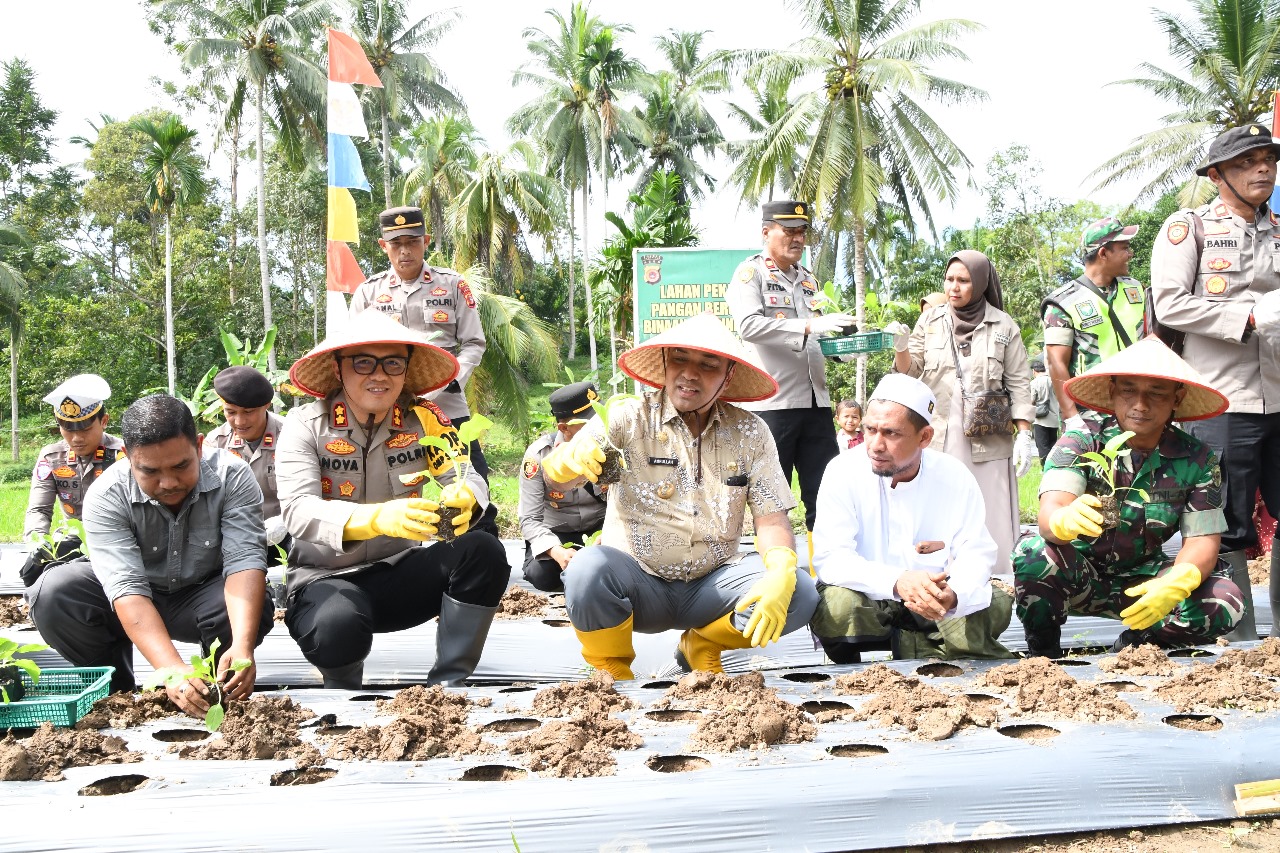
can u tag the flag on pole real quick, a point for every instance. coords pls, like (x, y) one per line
(1275, 131)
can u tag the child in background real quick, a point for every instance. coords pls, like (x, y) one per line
(849, 423)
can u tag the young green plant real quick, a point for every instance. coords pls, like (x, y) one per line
(614, 462)
(205, 669)
(11, 668)
(1104, 464)
(458, 456)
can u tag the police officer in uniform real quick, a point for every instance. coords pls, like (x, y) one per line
(251, 431)
(428, 299)
(551, 518)
(65, 469)
(772, 299)
(1095, 316)
(1215, 276)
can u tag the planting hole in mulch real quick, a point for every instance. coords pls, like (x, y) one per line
(807, 677)
(340, 729)
(674, 715)
(516, 724)
(558, 623)
(1071, 662)
(1191, 652)
(1029, 731)
(369, 697)
(113, 785)
(1118, 686)
(677, 763)
(823, 706)
(1087, 651)
(302, 776)
(494, 773)
(983, 699)
(524, 689)
(518, 602)
(659, 685)
(180, 735)
(1194, 722)
(939, 670)
(856, 750)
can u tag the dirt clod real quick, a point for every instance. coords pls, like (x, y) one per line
(575, 748)
(596, 697)
(1040, 686)
(906, 702)
(873, 679)
(261, 729)
(13, 611)
(1146, 659)
(122, 710)
(518, 602)
(44, 755)
(432, 721)
(747, 713)
(1228, 682)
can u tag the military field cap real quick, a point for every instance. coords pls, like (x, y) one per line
(402, 221)
(573, 402)
(430, 367)
(1234, 142)
(789, 213)
(78, 400)
(703, 333)
(1104, 231)
(1149, 357)
(243, 386)
(906, 391)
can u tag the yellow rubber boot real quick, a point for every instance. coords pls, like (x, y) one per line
(812, 571)
(610, 649)
(701, 647)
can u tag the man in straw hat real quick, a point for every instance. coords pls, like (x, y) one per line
(668, 556)
(1168, 481)
(351, 475)
(897, 567)
(1215, 282)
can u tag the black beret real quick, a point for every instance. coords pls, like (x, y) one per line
(789, 213)
(573, 401)
(402, 221)
(243, 386)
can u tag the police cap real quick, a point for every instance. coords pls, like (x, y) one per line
(78, 400)
(401, 222)
(788, 213)
(573, 402)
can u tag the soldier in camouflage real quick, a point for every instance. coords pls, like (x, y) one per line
(1168, 481)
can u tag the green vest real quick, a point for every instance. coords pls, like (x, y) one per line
(1095, 337)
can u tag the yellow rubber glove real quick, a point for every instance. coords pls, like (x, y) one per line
(771, 595)
(406, 518)
(573, 459)
(1076, 519)
(457, 495)
(1160, 595)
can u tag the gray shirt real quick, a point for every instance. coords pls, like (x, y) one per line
(139, 545)
(545, 511)
(1042, 389)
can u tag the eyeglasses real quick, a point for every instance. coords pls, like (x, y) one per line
(365, 365)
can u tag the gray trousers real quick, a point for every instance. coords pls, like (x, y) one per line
(73, 615)
(603, 586)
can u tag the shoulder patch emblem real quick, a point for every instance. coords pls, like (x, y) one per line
(439, 291)
(465, 290)
(383, 298)
(780, 316)
(1177, 232)
(440, 317)
(347, 489)
(43, 470)
(530, 468)
(341, 447)
(1086, 309)
(745, 273)
(64, 471)
(1133, 293)
(1218, 264)
(435, 410)
(1216, 285)
(326, 486)
(403, 440)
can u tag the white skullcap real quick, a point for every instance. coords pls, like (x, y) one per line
(909, 392)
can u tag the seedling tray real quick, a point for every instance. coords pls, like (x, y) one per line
(873, 341)
(62, 697)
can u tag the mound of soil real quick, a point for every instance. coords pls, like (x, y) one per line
(260, 729)
(747, 714)
(518, 602)
(122, 710)
(1226, 683)
(427, 701)
(417, 737)
(595, 697)
(873, 679)
(1265, 659)
(571, 749)
(13, 611)
(1146, 659)
(904, 701)
(1260, 570)
(49, 750)
(1043, 687)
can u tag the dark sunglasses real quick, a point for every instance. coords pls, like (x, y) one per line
(365, 365)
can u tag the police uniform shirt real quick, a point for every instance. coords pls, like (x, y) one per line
(440, 301)
(325, 465)
(62, 476)
(770, 309)
(261, 459)
(1210, 293)
(546, 512)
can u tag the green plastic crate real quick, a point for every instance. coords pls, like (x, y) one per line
(857, 343)
(62, 697)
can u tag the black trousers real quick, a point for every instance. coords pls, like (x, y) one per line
(806, 440)
(543, 572)
(1248, 448)
(1045, 439)
(73, 615)
(334, 619)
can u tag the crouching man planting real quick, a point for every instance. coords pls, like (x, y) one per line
(177, 549)
(1167, 481)
(668, 555)
(901, 548)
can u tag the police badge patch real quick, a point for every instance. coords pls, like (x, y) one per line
(530, 468)
(1177, 232)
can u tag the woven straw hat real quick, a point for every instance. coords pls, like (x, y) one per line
(704, 333)
(1151, 358)
(430, 367)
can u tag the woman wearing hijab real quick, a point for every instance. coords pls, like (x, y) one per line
(971, 336)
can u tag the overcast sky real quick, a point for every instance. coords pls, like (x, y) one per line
(1046, 67)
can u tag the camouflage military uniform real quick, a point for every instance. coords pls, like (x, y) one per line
(1087, 577)
(1091, 332)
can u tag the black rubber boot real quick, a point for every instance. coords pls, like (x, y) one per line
(1275, 589)
(1129, 637)
(1245, 629)
(460, 640)
(349, 677)
(1044, 644)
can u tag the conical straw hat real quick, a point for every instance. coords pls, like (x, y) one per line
(430, 367)
(704, 333)
(1151, 358)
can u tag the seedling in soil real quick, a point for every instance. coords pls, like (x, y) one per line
(11, 687)
(470, 431)
(205, 669)
(278, 588)
(614, 462)
(1104, 464)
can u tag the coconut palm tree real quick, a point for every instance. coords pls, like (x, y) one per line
(1230, 56)
(171, 168)
(612, 73)
(443, 153)
(13, 284)
(411, 81)
(261, 45)
(759, 168)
